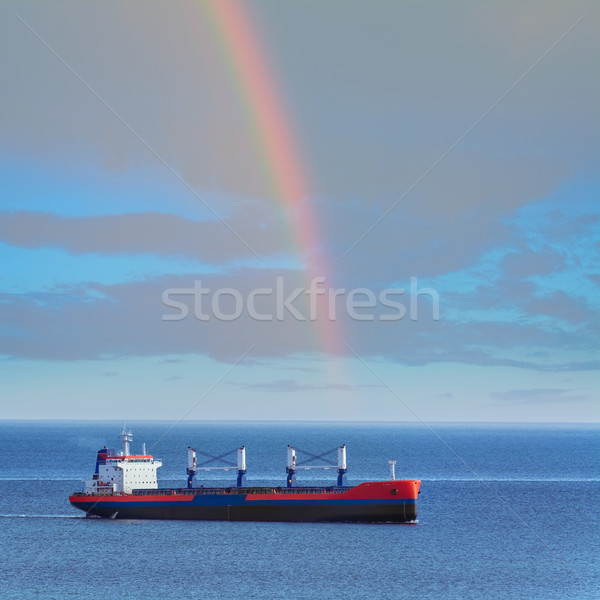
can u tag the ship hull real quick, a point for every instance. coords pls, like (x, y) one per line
(398, 513)
(393, 501)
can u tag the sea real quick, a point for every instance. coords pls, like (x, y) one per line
(505, 511)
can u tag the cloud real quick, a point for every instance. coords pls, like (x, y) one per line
(540, 396)
(524, 263)
(127, 320)
(152, 233)
(561, 307)
(396, 88)
(383, 105)
(291, 385)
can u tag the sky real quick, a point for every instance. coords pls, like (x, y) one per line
(317, 211)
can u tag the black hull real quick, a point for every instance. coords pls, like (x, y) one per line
(398, 513)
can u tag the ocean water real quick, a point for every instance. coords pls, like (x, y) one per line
(505, 511)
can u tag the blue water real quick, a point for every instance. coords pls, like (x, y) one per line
(506, 511)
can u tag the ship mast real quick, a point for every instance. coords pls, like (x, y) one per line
(126, 437)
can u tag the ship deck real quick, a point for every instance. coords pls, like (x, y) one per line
(244, 491)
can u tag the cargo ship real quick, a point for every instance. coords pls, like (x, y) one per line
(125, 486)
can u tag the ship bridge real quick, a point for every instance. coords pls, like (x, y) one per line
(123, 471)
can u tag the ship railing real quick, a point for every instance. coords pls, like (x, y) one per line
(132, 460)
(222, 491)
(241, 491)
(316, 490)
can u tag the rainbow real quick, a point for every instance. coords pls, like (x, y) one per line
(274, 137)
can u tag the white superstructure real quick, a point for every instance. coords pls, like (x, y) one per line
(123, 472)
